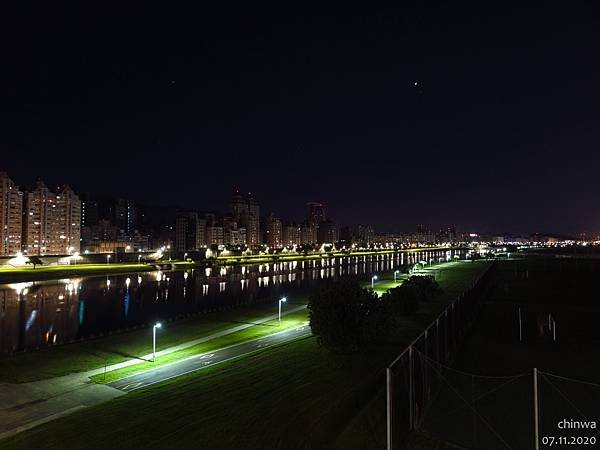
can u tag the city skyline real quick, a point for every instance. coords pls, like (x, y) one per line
(124, 217)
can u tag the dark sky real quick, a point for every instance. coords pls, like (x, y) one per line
(178, 107)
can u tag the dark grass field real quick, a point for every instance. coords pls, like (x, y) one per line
(500, 414)
(295, 396)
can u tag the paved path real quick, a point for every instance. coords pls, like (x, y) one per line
(26, 405)
(175, 348)
(199, 362)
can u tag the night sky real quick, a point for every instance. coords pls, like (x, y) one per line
(483, 118)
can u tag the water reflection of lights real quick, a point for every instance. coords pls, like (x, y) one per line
(30, 319)
(249, 277)
(21, 288)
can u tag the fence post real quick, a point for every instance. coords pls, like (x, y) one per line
(388, 379)
(536, 425)
(437, 340)
(520, 327)
(411, 391)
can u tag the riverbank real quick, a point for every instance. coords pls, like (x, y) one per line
(303, 394)
(40, 273)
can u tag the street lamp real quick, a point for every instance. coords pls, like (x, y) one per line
(107, 259)
(281, 300)
(184, 256)
(156, 325)
(139, 259)
(395, 274)
(373, 278)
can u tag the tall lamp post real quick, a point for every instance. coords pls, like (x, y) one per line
(373, 278)
(395, 275)
(156, 325)
(107, 259)
(281, 300)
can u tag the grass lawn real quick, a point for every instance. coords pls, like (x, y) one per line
(290, 397)
(295, 396)
(95, 353)
(566, 290)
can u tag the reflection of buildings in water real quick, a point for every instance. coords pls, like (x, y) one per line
(59, 311)
(39, 315)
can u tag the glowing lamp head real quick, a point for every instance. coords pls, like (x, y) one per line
(157, 325)
(283, 299)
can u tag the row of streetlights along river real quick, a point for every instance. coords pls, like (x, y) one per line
(281, 301)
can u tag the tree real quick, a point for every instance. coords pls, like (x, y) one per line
(425, 288)
(345, 316)
(35, 261)
(401, 302)
(404, 300)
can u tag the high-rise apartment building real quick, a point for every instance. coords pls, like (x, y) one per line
(90, 211)
(308, 234)
(190, 232)
(327, 232)
(246, 213)
(51, 222)
(125, 215)
(239, 205)
(215, 235)
(315, 213)
(68, 220)
(11, 207)
(233, 234)
(253, 224)
(292, 234)
(38, 223)
(358, 234)
(274, 232)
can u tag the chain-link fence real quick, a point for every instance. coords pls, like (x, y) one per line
(411, 382)
(479, 412)
(508, 412)
(532, 410)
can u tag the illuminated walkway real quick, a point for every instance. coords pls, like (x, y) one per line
(26, 405)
